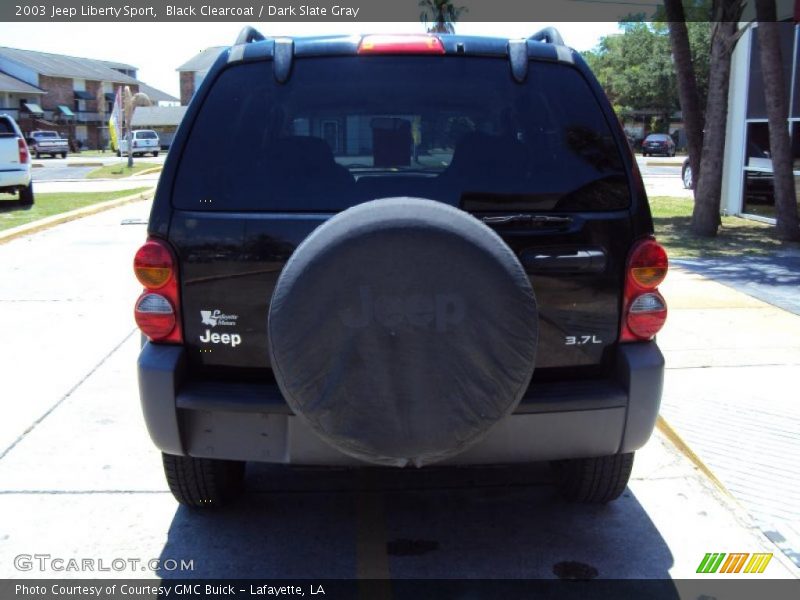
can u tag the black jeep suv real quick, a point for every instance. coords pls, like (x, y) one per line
(403, 250)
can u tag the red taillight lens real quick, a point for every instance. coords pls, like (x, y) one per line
(154, 315)
(400, 44)
(24, 155)
(157, 314)
(644, 310)
(647, 265)
(153, 265)
(647, 315)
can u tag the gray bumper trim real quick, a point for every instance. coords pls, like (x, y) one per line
(251, 421)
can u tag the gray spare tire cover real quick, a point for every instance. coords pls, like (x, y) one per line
(402, 330)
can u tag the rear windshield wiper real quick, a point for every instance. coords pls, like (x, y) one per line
(532, 220)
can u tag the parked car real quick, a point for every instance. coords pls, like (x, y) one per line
(686, 175)
(48, 142)
(370, 270)
(658, 143)
(145, 141)
(15, 161)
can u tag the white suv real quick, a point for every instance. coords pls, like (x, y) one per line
(145, 141)
(15, 161)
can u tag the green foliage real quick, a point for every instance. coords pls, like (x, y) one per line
(440, 16)
(636, 70)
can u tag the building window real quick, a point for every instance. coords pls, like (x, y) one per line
(758, 189)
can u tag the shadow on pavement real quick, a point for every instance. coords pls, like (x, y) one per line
(774, 279)
(475, 522)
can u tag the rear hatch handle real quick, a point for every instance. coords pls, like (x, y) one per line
(545, 221)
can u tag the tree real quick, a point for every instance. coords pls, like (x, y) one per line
(441, 14)
(129, 103)
(100, 100)
(787, 227)
(687, 83)
(725, 33)
(637, 71)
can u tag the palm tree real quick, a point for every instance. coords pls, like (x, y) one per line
(687, 84)
(708, 192)
(777, 114)
(129, 103)
(441, 14)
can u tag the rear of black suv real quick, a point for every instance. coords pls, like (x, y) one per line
(404, 250)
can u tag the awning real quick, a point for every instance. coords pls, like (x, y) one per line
(110, 96)
(83, 95)
(32, 108)
(65, 110)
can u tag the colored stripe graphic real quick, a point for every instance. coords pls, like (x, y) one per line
(734, 562)
(758, 563)
(710, 562)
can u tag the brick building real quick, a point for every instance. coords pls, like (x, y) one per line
(192, 72)
(69, 94)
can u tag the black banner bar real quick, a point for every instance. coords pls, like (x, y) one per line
(149, 11)
(733, 588)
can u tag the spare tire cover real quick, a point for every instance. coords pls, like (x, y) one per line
(402, 330)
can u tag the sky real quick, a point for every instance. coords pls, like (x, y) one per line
(158, 49)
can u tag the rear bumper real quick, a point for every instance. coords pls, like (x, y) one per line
(241, 421)
(15, 179)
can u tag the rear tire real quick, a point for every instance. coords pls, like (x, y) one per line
(155, 154)
(63, 155)
(203, 482)
(594, 480)
(26, 195)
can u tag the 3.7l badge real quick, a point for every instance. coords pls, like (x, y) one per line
(581, 340)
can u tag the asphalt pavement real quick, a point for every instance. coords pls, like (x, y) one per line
(79, 477)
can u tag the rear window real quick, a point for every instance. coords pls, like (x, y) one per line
(44, 134)
(6, 128)
(345, 130)
(657, 137)
(146, 135)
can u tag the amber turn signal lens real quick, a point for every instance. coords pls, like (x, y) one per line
(153, 265)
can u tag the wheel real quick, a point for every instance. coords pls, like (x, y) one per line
(63, 155)
(53, 155)
(673, 154)
(203, 482)
(155, 153)
(36, 154)
(26, 195)
(593, 480)
(688, 180)
(644, 154)
(119, 154)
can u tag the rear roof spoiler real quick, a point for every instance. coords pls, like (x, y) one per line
(548, 35)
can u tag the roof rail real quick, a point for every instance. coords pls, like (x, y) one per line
(548, 35)
(249, 34)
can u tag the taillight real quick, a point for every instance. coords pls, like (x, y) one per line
(155, 316)
(24, 155)
(135, 144)
(157, 309)
(400, 44)
(644, 309)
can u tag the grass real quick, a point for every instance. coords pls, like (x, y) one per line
(46, 205)
(105, 153)
(736, 237)
(120, 169)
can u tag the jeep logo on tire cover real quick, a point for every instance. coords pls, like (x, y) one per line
(439, 311)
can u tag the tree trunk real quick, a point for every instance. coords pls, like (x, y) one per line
(705, 216)
(787, 227)
(687, 84)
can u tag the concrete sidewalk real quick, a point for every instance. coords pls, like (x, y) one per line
(733, 367)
